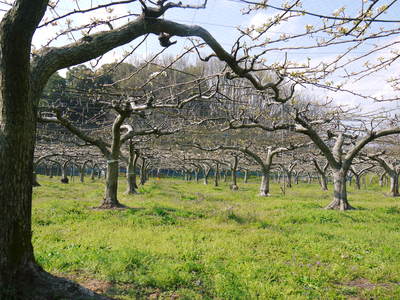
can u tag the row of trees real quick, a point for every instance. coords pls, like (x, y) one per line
(208, 112)
(26, 69)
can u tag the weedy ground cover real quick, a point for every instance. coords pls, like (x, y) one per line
(186, 240)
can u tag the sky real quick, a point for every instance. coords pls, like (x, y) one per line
(222, 17)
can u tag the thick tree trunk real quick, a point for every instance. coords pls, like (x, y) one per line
(110, 198)
(339, 191)
(394, 184)
(131, 175)
(20, 277)
(264, 188)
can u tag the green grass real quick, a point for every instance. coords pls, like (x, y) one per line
(203, 242)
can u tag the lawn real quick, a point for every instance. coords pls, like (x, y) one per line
(186, 240)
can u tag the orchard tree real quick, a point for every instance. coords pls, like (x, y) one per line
(392, 169)
(359, 170)
(23, 78)
(322, 170)
(340, 145)
(24, 75)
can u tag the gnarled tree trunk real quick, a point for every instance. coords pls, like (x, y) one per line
(110, 196)
(339, 191)
(20, 276)
(131, 174)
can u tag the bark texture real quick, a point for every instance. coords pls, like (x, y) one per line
(394, 184)
(339, 192)
(131, 171)
(17, 137)
(264, 188)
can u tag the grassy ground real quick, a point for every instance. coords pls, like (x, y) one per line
(185, 240)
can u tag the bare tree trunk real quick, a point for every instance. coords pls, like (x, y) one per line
(207, 171)
(234, 186)
(110, 198)
(381, 178)
(324, 182)
(357, 182)
(264, 188)
(245, 179)
(289, 179)
(394, 184)
(131, 174)
(82, 170)
(339, 191)
(64, 179)
(143, 172)
(20, 276)
(216, 182)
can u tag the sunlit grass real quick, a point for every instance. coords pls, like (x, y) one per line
(204, 242)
